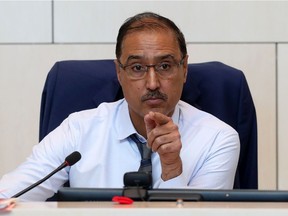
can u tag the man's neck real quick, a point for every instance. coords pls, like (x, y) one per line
(140, 127)
(138, 123)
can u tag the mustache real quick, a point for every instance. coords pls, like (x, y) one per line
(154, 95)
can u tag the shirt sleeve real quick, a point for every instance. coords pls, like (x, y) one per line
(46, 156)
(218, 169)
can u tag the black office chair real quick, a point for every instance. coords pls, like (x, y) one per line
(213, 87)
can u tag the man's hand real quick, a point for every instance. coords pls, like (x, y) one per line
(164, 138)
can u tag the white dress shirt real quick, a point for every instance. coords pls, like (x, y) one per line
(210, 151)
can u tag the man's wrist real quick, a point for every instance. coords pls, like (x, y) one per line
(172, 170)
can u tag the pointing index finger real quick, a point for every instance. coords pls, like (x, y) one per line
(159, 118)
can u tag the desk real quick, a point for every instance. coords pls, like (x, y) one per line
(148, 209)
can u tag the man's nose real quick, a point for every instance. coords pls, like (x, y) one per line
(152, 79)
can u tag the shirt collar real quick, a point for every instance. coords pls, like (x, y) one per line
(124, 126)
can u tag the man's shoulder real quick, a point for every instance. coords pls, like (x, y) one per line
(200, 118)
(104, 110)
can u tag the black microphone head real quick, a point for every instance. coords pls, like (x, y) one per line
(73, 158)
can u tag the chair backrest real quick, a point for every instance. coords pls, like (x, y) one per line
(213, 87)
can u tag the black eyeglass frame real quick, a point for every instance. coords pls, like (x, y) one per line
(146, 67)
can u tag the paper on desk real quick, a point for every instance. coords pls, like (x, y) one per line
(7, 204)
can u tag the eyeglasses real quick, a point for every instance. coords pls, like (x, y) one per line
(164, 69)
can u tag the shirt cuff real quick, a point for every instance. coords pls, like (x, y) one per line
(177, 182)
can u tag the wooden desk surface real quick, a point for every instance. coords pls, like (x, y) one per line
(149, 209)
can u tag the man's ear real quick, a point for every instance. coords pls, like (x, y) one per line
(117, 67)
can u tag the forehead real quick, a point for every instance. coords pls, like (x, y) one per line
(150, 44)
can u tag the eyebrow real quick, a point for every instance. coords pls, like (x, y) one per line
(137, 57)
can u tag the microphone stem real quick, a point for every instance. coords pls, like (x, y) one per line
(40, 181)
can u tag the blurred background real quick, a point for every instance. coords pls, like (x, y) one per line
(249, 35)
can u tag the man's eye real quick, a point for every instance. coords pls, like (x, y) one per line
(164, 66)
(137, 68)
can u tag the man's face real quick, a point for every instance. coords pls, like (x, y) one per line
(152, 92)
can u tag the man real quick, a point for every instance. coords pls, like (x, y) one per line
(190, 148)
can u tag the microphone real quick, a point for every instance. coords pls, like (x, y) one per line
(137, 184)
(70, 160)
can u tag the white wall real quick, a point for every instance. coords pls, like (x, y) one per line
(249, 35)
(282, 89)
